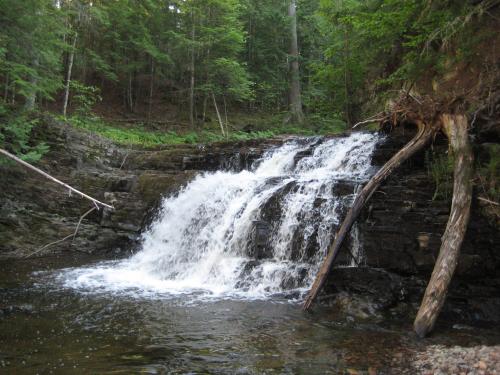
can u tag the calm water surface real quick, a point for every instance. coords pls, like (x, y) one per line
(45, 328)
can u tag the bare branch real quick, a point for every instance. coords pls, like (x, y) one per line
(80, 221)
(48, 245)
(489, 201)
(369, 121)
(375, 118)
(65, 238)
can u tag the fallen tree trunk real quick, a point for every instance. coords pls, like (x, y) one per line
(96, 202)
(455, 127)
(421, 139)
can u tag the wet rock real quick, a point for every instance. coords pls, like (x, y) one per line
(35, 211)
(400, 232)
(16, 309)
(365, 290)
(439, 359)
(260, 234)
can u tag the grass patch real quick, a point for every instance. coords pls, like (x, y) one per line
(140, 136)
(242, 127)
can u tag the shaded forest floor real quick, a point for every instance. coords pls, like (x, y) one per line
(167, 126)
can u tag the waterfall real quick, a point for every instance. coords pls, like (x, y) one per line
(247, 234)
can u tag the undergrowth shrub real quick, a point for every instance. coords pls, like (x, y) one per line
(16, 129)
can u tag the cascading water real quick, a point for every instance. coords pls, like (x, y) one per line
(249, 234)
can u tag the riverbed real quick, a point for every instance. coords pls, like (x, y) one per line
(46, 327)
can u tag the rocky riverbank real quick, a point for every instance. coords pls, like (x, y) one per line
(35, 212)
(398, 233)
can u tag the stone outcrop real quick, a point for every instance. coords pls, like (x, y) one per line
(35, 212)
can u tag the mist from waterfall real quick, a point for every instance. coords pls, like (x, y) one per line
(203, 239)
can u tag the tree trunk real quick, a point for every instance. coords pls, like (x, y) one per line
(422, 138)
(130, 99)
(68, 76)
(297, 115)
(225, 114)
(192, 72)
(205, 99)
(29, 104)
(347, 83)
(6, 88)
(218, 116)
(455, 127)
(151, 87)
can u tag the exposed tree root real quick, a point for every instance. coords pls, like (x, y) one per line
(455, 127)
(420, 140)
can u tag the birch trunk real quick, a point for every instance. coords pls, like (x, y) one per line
(30, 102)
(68, 76)
(218, 116)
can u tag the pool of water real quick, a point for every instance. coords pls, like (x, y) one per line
(48, 328)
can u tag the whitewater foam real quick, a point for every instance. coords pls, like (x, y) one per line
(200, 243)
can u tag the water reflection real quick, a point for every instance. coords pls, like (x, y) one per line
(57, 330)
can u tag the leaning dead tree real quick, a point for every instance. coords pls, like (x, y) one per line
(455, 127)
(409, 110)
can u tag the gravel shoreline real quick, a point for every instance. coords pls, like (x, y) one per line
(441, 360)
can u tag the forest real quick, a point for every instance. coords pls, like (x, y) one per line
(259, 186)
(196, 70)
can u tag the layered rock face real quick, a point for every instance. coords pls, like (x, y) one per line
(400, 233)
(35, 212)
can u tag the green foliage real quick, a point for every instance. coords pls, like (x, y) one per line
(376, 45)
(140, 136)
(84, 97)
(139, 53)
(15, 136)
(440, 169)
(30, 49)
(127, 136)
(489, 173)
(232, 79)
(266, 51)
(326, 124)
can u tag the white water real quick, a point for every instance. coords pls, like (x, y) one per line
(200, 243)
